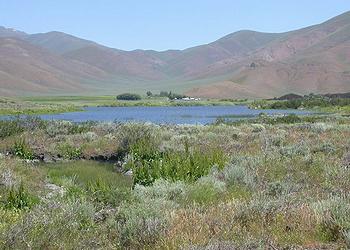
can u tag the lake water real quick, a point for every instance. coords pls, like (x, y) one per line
(165, 115)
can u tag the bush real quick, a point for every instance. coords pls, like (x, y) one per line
(56, 128)
(8, 218)
(241, 171)
(70, 152)
(279, 188)
(327, 148)
(19, 198)
(103, 192)
(294, 150)
(128, 97)
(22, 150)
(7, 177)
(320, 127)
(130, 134)
(54, 224)
(347, 238)
(163, 94)
(206, 190)
(149, 164)
(333, 217)
(8, 128)
(309, 101)
(140, 225)
(161, 189)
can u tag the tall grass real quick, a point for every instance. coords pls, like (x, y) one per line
(149, 164)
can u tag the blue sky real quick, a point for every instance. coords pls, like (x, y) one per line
(161, 24)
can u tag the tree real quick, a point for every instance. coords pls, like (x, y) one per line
(129, 97)
(149, 93)
(163, 94)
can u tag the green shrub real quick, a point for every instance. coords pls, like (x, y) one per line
(206, 190)
(23, 150)
(276, 188)
(11, 127)
(56, 128)
(285, 119)
(31, 123)
(290, 118)
(309, 101)
(347, 238)
(162, 189)
(19, 198)
(327, 148)
(70, 152)
(294, 150)
(130, 134)
(8, 217)
(129, 97)
(103, 192)
(149, 164)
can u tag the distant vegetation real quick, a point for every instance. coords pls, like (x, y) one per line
(129, 97)
(59, 104)
(12, 106)
(306, 102)
(171, 95)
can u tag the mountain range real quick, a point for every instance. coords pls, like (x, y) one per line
(244, 64)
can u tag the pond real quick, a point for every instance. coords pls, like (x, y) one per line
(166, 115)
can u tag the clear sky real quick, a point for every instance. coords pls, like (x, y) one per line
(163, 24)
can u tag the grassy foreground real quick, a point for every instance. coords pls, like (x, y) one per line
(259, 184)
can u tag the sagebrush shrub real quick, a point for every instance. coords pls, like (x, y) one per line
(206, 190)
(162, 189)
(54, 224)
(241, 171)
(11, 127)
(333, 215)
(140, 225)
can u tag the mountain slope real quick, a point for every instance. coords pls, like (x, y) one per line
(241, 64)
(313, 59)
(25, 68)
(58, 42)
(5, 32)
(135, 64)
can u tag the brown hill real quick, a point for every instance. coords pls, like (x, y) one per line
(314, 59)
(58, 42)
(5, 32)
(26, 69)
(135, 64)
(242, 64)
